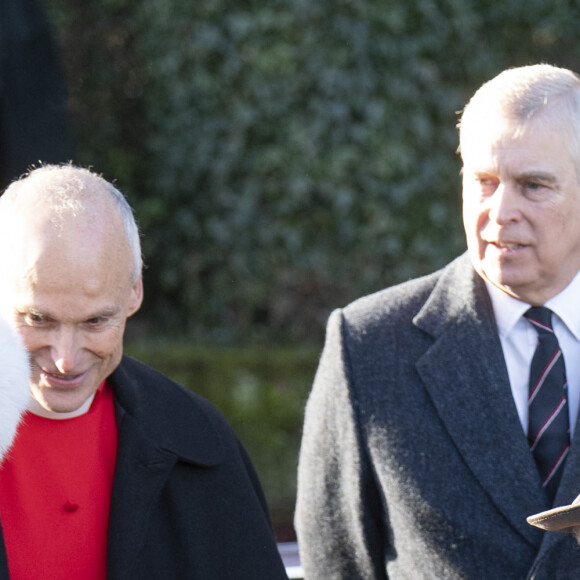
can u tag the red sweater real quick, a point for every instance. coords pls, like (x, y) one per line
(55, 494)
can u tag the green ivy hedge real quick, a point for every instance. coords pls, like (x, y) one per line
(284, 157)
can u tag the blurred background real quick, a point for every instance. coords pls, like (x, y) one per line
(283, 157)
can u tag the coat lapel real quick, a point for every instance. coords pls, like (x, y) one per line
(568, 491)
(466, 376)
(142, 470)
(151, 442)
(570, 484)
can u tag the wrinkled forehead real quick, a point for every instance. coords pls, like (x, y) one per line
(522, 110)
(493, 129)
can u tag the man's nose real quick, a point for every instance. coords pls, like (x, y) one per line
(504, 205)
(64, 349)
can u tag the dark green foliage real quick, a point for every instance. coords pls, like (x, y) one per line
(284, 157)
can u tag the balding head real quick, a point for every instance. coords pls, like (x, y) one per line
(71, 264)
(67, 198)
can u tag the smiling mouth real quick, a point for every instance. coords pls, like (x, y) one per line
(61, 377)
(507, 246)
(63, 380)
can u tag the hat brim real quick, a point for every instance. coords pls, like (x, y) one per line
(560, 519)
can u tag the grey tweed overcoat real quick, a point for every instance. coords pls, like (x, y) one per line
(413, 461)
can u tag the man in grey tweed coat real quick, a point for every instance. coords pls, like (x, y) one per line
(415, 461)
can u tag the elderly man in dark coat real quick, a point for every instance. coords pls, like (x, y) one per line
(440, 415)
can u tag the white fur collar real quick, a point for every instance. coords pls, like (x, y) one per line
(14, 388)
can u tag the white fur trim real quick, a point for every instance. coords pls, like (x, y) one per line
(14, 386)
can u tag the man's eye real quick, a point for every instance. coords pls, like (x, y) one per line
(533, 185)
(534, 189)
(32, 318)
(486, 181)
(487, 185)
(97, 321)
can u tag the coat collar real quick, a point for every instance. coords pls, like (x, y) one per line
(165, 421)
(465, 374)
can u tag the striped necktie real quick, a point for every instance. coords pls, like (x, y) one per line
(548, 422)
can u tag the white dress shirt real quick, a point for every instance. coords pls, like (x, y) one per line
(519, 338)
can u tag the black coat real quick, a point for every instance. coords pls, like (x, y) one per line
(186, 501)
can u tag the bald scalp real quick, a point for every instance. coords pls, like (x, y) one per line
(68, 199)
(89, 240)
(69, 280)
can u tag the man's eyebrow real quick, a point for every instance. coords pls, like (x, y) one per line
(33, 311)
(478, 170)
(105, 313)
(542, 176)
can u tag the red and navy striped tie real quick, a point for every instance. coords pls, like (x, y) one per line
(548, 422)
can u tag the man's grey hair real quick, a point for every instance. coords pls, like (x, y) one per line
(67, 189)
(525, 93)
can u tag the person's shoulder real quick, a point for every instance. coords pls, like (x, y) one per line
(393, 297)
(162, 405)
(151, 385)
(149, 381)
(394, 300)
(398, 304)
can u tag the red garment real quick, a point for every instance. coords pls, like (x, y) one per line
(55, 494)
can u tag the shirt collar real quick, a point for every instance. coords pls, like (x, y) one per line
(565, 305)
(509, 310)
(37, 409)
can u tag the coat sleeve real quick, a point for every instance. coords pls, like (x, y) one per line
(340, 520)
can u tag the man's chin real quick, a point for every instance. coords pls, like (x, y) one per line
(519, 287)
(508, 278)
(60, 402)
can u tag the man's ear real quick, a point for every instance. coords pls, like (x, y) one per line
(136, 297)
